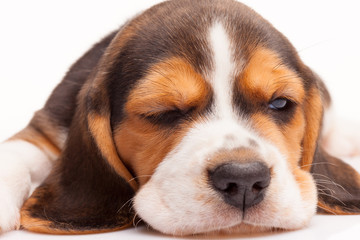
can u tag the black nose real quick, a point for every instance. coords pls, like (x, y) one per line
(241, 184)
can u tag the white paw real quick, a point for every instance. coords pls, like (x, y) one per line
(23, 166)
(9, 210)
(15, 182)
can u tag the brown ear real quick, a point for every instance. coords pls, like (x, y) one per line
(89, 189)
(338, 184)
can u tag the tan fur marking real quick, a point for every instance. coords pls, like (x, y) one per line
(313, 115)
(49, 138)
(32, 136)
(173, 84)
(142, 147)
(42, 226)
(169, 85)
(334, 209)
(265, 77)
(288, 139)
(100, 129)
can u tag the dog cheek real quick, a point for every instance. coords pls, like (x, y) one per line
(152, 209)
(308, 190)
(301, 196)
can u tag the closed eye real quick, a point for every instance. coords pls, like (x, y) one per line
(168, 118)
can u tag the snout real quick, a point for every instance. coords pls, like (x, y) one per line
(241, 185)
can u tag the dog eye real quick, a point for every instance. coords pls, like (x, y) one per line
(170, 117)
(280, 104)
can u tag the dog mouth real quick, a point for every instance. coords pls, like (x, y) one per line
(205, 211)
(238, 229)
(233, 187)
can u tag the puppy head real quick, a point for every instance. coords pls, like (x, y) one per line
(209, 111)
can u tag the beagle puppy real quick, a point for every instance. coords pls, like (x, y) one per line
(195, 117)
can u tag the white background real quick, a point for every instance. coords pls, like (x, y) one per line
(40, 39)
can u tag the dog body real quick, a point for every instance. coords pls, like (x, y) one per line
(196, 116)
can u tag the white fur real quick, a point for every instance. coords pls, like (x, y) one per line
(23, 166)
(221, 79)
(341, 137)
(178, 198)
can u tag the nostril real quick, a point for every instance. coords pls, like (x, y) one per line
(259, 186)
(231, 189)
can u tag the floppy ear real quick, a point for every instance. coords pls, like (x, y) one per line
(338, 184)
(89, 189)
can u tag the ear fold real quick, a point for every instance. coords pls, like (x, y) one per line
(89, 189)
(338, 184)
(313, 106)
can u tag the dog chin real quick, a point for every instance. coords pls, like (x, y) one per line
(245, 229)
(241, 229)
(235, 226)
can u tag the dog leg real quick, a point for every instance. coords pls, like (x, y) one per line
(25, 161)
(27, 158)
(341, 137)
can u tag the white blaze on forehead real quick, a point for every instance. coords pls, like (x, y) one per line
(223, 70)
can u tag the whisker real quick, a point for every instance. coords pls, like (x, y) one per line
(141, 176)
(313, 164)
(327, 210)
(312, 45)
(330, 181)
(127, 202)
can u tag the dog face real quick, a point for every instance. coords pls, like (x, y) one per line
(196, 129)
(204, 116)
